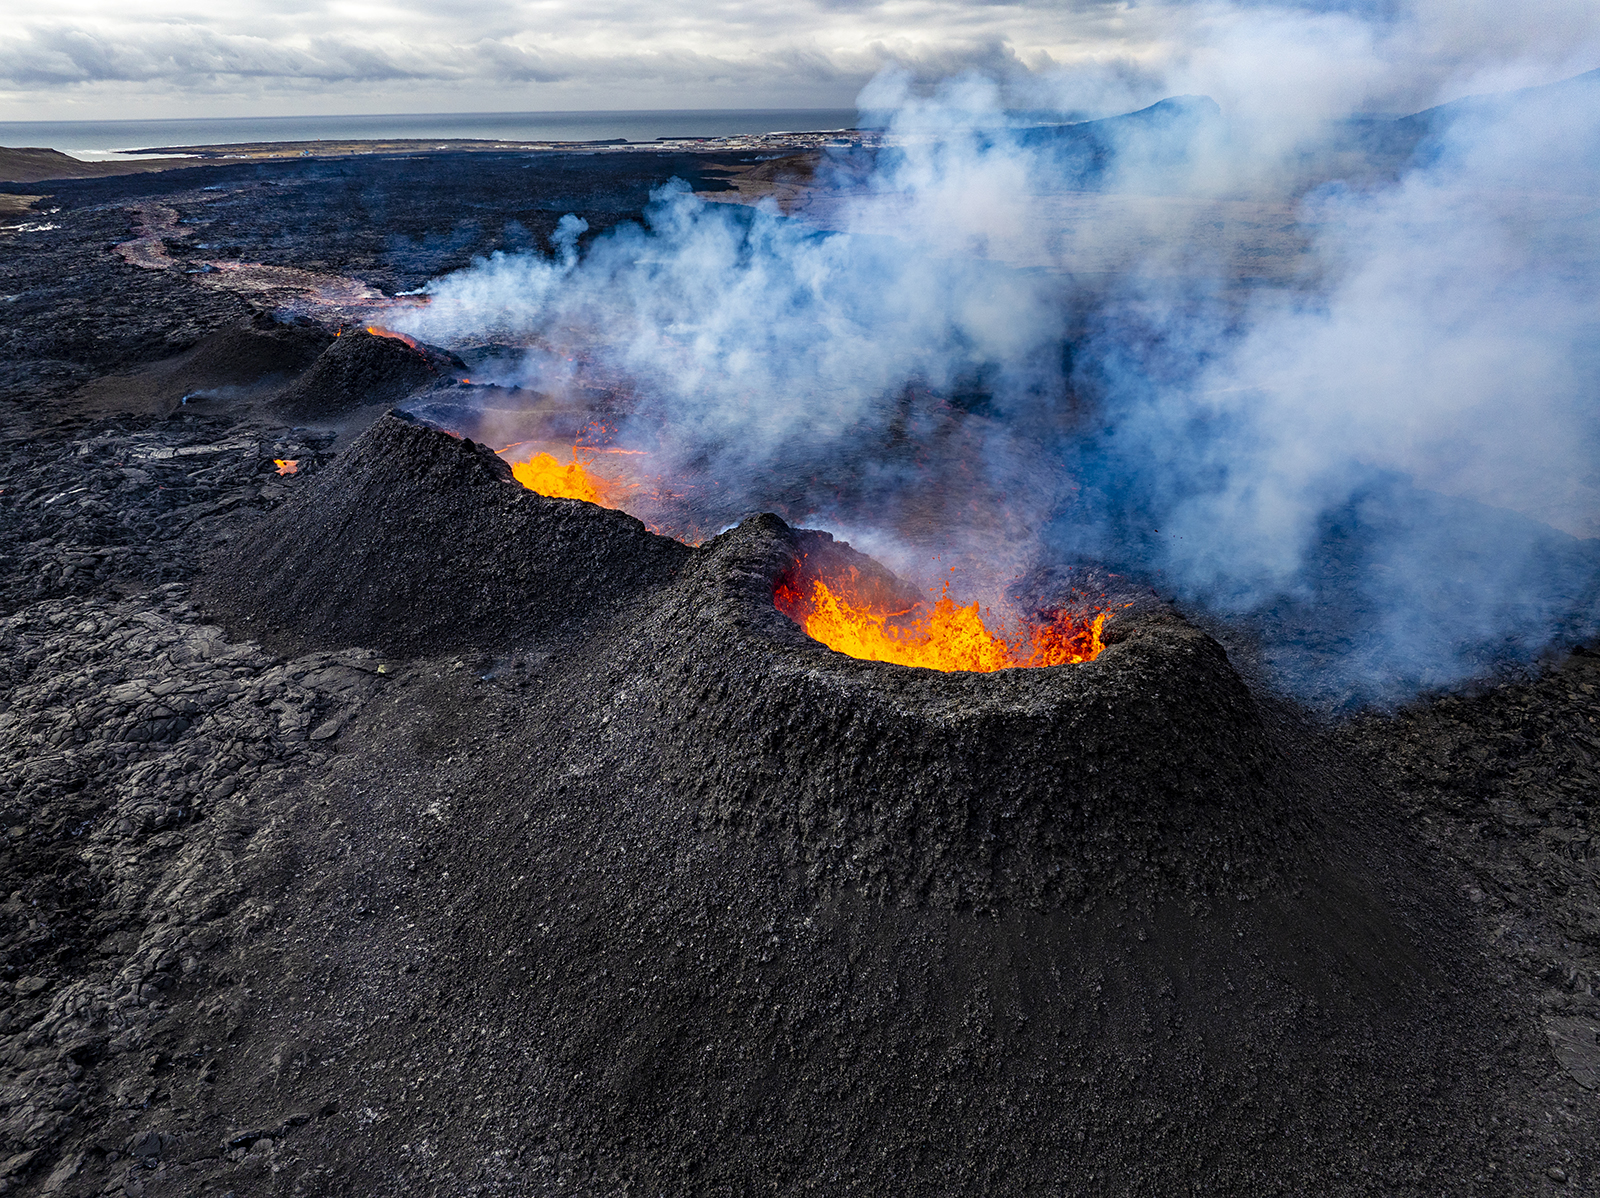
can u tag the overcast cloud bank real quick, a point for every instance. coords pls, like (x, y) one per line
(96, 60)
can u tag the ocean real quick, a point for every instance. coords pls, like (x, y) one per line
(109, 139)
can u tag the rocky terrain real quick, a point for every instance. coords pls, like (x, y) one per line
(381, 828)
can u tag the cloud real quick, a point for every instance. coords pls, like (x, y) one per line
(192, 56)
(643, 58)
(1087, 56)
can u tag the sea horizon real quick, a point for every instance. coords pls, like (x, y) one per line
(108, 139)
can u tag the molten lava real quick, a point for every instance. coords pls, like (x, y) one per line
(287, 465)
(380, 331)
(941, 637)
(566, 480)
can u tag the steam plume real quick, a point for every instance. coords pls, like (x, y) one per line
(1342, 373)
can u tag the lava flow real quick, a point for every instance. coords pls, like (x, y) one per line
(942, 637)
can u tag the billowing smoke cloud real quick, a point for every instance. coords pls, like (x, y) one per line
(776, 358)
(1401, 458)
(1337, 379)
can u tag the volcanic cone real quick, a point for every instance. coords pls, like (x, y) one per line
(363, 367)
(417, 540)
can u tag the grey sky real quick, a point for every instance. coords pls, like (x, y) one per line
(94, 59)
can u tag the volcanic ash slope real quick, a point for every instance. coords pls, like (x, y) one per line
(669, 896)
(418, 541)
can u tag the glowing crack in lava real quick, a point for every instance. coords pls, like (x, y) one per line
(941, 637)
(566, 480)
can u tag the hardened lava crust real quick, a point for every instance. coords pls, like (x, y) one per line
(360, 368)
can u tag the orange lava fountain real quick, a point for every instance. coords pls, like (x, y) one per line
(566, 480)
(941, 637)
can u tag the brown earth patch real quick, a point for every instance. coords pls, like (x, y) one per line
(34, 164)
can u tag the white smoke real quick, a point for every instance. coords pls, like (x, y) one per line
(1250, 359)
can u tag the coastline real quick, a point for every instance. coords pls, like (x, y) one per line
(42, 165)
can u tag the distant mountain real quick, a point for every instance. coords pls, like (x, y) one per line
(1584, 88)
(1153, 145)
(1369, 150)
(1152, 149)
(1434, 133)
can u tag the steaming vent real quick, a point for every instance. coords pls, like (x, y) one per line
(856, 608)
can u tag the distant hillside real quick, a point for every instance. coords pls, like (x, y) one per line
(33, 165)
(1584, 88)
(1154, 145)
(1371, 150)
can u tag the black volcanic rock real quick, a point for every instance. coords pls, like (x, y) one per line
(365, 368)
(1026, 783)
(651, 901)
(257, 349)
(710, 903)
(254, 355)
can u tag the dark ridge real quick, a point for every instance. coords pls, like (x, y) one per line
(253, 349)
(417, 541)
(363, 368)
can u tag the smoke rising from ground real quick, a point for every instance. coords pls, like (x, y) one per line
(1451, 349)
(1034, 343)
